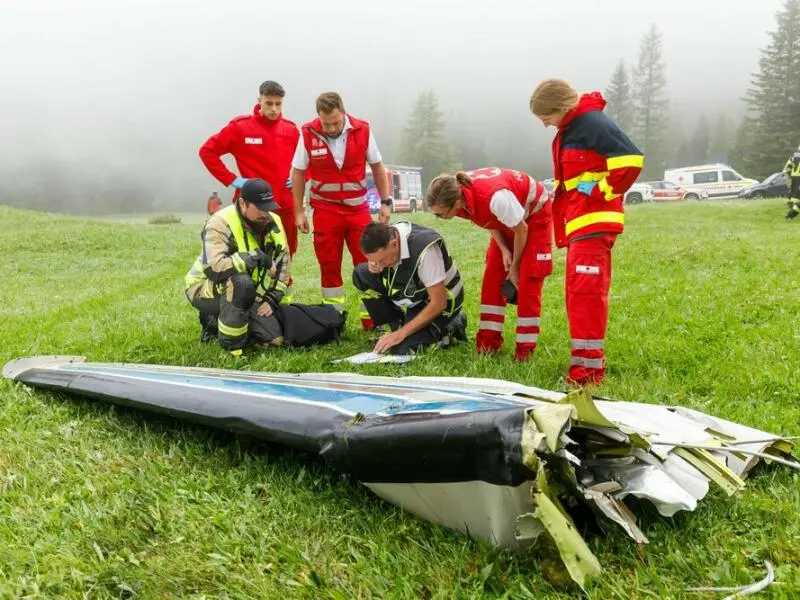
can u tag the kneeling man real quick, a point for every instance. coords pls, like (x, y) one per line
(410, 283)
(242, 272)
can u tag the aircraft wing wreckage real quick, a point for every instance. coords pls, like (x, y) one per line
(501, 461)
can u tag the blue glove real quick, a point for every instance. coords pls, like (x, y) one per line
(238, 182)
(289, 183)
(586, 187)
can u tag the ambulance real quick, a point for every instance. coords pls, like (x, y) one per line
(720, 181)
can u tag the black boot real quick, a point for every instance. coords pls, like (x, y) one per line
(457, 328)
(209, 325)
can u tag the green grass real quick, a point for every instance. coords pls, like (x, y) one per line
(102, 502)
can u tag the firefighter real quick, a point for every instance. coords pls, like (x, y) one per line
(335, 149)
(516, 209)
(411, 284)
(792, 169)
(594, 165)
(213, 204)
(242, 270)
(262, 144)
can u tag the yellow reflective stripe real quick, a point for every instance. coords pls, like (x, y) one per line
(367, 294)
(571, 184)
(281, 286)
(238, 263)
(592, 218)
(608, 193)
(231, 331)
(628, 160)
(555, 184)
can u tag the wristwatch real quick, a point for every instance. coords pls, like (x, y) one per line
(387, 201)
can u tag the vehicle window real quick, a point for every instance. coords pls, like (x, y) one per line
(730, 176)
(706, 177)
(670, 186)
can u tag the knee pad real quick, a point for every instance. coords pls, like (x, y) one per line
(244, 291)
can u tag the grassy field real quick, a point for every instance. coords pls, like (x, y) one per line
(101, 502)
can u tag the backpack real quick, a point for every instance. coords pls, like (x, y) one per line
(309, 324)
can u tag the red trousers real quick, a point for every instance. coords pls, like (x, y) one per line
(535, 265)
(588, 280)
(333, 228)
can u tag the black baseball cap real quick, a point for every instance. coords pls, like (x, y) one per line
(259, 192)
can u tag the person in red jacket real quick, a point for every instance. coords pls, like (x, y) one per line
(262, 144)
(335, 149)
(516, 209)
(594, 164)
(213, 204)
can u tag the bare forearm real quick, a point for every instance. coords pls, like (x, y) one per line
(520, 239)
(500, 240)
(381, 180)
(298, 188)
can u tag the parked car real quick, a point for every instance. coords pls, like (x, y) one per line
(664, 191)
(718, 180)
(774, 186)
(638, 193)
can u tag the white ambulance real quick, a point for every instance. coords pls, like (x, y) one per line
(720, 181)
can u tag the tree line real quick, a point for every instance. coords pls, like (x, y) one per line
(638, 99)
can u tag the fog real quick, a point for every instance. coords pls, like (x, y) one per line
(123, 93)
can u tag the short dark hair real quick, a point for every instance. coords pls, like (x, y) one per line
(376, 236)
(328, 102)
(271, 88)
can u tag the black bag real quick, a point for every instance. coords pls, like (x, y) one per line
(310, 324)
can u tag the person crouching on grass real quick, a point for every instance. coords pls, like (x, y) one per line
(411, 283)
(594, 164)
(516, 209)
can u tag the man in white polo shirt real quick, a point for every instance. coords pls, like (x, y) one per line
(410, 283)
(335, 149)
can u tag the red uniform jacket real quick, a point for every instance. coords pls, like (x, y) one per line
(261, 148)
(345, 187)
(589, 146)
(485, 182)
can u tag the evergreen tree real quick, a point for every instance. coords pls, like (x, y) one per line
(651, 104)
(722, 137)
(618, 94)
(425, 141)
(701, 140)
(774, 99)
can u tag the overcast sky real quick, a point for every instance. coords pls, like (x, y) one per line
(139, 85)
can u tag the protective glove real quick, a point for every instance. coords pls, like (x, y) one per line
(586, 187)
(255, 259)
(238, 182)
(289, 183)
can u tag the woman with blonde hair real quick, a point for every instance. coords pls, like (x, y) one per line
(516, 209)
(594, 164)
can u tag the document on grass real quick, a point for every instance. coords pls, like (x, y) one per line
(369, 358)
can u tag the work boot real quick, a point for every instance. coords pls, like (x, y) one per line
(209, 325)
(794, 210)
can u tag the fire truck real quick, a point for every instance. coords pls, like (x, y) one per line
(406, 186)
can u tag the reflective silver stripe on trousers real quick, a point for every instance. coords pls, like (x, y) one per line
(490, 325)
(527, 321)
(491, 309)
(336, 292)
(589, 363)
(529, 338)
(587, 344)
(349, 202)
